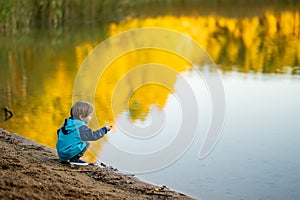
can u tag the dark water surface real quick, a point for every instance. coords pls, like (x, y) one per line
(258, 57)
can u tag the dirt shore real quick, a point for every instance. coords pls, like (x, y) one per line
(32, 171)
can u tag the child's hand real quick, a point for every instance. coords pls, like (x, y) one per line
(108, 128)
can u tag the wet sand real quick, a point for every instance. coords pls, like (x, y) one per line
(32, 171)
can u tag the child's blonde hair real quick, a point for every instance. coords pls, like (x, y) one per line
(81, 109)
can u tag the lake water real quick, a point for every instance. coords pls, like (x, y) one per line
(256, 156)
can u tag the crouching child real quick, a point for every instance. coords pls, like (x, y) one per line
(74, 135)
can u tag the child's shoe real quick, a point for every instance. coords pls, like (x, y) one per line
(78, 162)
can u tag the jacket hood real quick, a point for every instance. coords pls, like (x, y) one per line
(72, 124)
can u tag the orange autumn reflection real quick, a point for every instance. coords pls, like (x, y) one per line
(268, 43)
(37, 77)
(129, 97)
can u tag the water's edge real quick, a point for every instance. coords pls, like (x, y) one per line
(132, 182)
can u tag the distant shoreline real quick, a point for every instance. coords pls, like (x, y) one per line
(33, 171)
(23, 16)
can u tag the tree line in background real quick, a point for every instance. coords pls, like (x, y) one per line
(18, 15)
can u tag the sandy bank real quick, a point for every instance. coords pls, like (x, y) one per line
(32, 171)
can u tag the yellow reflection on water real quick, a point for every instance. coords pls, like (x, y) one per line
(128, 97)
(249, 43)
(39, 88)
(144, 97)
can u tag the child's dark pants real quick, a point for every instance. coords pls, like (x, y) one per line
(75, 158)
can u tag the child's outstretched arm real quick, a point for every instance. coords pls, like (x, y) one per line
(87, 134)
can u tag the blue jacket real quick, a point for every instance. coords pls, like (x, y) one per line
(72, 137)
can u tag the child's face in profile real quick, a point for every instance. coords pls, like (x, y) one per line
(87, 119)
